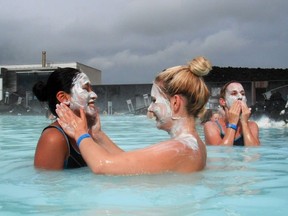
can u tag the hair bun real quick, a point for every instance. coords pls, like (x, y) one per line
(40, 91)
(200, 66)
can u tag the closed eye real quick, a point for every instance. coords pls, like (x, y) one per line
(87, 87)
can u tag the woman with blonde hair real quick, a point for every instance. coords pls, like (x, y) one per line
(178, 94)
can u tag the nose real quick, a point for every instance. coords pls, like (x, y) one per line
(149, 109)
(93, 95)
(150, 113)
(240, 97)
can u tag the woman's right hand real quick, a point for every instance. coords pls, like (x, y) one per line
(96, 127)
(246, 112)
(73, 125)
(234, 112)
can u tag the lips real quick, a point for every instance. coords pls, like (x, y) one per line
(91, 101)
(150, 115)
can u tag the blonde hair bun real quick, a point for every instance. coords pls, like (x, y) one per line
(200, 66)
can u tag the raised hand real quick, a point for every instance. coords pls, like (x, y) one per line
(246, 112)
(73, 125)
(234, 112)
(96, 127)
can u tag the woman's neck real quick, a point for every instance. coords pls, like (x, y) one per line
(182, 125)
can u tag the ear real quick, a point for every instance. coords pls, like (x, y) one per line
(62, 96)
(176, 101)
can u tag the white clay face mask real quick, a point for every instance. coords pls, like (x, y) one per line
(80, 97)
(161, 106)
(237, 90)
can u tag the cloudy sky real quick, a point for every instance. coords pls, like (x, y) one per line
(132, 40)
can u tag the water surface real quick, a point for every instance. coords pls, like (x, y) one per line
(236, 181)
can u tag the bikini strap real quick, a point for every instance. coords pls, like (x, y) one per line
(222, 132)
(220, 127)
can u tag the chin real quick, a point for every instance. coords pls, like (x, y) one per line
(161, 125)
(90, 111)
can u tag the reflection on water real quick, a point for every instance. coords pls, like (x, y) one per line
(236, 181)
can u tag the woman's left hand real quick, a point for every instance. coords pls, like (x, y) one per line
(246, 112)
(73, 125)
(96, 127)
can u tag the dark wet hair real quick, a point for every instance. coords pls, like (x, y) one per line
(60, 79)
(223, 89)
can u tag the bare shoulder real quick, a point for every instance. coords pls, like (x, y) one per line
(52, 137)
(211, 125)
(51, 150)
(253, 124)
(172, 146)
(212, 133)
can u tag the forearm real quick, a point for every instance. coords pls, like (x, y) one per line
(228, 139)
(106, 142)
(95, 155)
(249, 138)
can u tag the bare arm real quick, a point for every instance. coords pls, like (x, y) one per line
(250, 130)
(213, 137)
(51, 150)
(102, 139)
(155, 159)
(212, 131)
(162, 157)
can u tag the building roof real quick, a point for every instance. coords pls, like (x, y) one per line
(93, 73)
(39, 67)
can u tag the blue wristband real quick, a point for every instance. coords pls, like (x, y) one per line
(83, 136)
(233, 126)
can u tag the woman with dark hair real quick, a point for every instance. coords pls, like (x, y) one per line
(55, 150)
(179, 95)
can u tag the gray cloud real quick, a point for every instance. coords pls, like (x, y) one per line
(132, 40)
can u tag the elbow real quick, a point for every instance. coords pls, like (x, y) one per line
(101, 167)
(98, 169)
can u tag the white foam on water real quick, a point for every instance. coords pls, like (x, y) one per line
(266, 122)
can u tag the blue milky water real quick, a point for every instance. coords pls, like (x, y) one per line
(236, 181)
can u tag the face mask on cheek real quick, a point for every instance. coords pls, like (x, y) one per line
(79, 96)
(88, 109)
(230, 99)
(161, 108)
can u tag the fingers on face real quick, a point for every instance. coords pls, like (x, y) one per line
(74, 124)
(58, 111)
(61, 110)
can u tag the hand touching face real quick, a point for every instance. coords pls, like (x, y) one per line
(234, 91)
(72, 124)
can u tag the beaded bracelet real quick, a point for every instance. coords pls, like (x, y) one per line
(233, 126)
(83, 136)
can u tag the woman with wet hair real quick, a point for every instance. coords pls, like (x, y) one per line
(55, 150)
(179, 95)
(234, 127)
